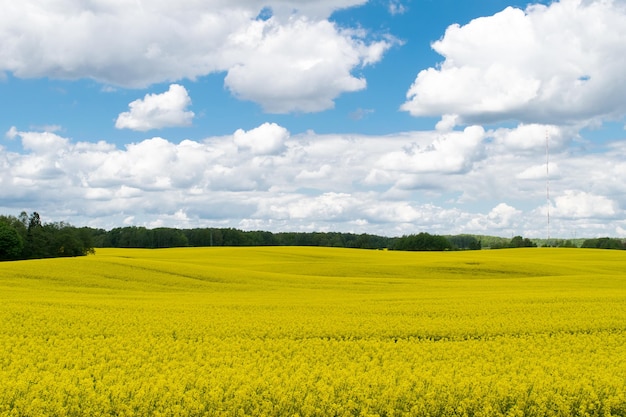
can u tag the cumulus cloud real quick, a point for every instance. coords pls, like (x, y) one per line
(299, 66)
(502, 217)
(157, 111)
(42, 143)
(534, 137)
(447, 122)
(294, 60)
(267, 139)
(330, 206)
(451, 153)
(465, 181)
(551, 63)
(579, 204)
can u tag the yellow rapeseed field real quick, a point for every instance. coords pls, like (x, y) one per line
(315, 332)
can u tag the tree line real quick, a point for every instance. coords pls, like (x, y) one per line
(164, 237)
(141, 237)
(604, 243)
(26, 237)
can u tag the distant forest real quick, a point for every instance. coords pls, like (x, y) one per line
(26, 237)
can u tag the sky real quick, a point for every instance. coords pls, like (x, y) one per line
(389, 117)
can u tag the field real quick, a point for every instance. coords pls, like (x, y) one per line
(315, 332)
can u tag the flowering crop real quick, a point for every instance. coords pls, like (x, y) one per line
(315, 332)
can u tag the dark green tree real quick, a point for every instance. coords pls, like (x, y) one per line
(520, 242)
(37, 239)
(603, 243)
(422, 242)
(11, 243)
(30, 239)
(465, 242)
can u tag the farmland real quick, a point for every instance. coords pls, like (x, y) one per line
(315, 332)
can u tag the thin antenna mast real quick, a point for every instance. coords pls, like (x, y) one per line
(548, 182)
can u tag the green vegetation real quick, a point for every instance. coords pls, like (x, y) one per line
(25, 237)
(422, 242)
(141, 237)
(604, 243)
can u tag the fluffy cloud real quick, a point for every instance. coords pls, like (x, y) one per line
(580, 204)
(156, 111)
(294, 60)
(267, 139)
(534, 138)
(551, 63)
(328, 206)
(453, 153)
(266, 178)
(502, 217)
(299, 66)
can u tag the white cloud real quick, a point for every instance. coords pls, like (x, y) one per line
(534, 137)
(579, 204)
(540, 172)
(454, 152)
(299, 66)
(461, 182)
(157, 111)
(42, 143)
(551, 63)
(267, 139)
(447, 122)
(329, 206)
(502, 217)
(294, 61)
(11, 133)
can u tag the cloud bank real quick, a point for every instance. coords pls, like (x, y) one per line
(476, 181)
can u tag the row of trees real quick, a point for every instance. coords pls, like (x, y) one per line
(25, 237)
(423, 242)
(604, 243)
(163, 237)
(141, 237)
(515, 242)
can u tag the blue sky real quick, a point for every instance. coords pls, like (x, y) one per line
(387, 117)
